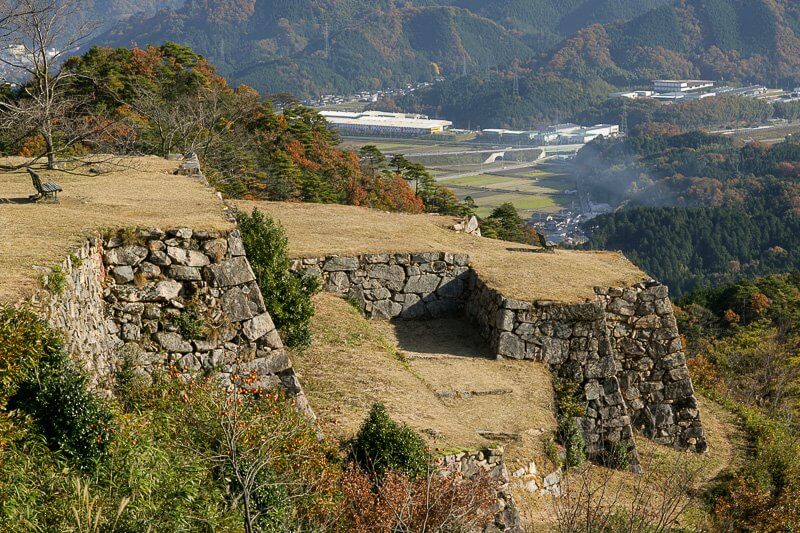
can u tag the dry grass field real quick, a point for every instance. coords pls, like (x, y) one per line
(135, 192)
(672, 480)
(519, 271)
(420, 371)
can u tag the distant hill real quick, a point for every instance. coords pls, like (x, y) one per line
(280, 45)
(744, 41)
(740, 40)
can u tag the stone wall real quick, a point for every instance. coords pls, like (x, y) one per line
(410, 286)
(80, 311)
(651, 365)
(491, 463)
(623, 350)
(177, 299)
(574, 342)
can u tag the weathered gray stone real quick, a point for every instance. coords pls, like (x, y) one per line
(173, 342)
(392, 276)
(184, 273)
(235, 244)
(267, 363)
(196, 259)
(258, 326)
(237, 305)
(130, 255)
(424, 284)
(163, 291)
(159, 258)
(509, 345)
(229, 273)
(340, 264)
(122, 274)
(505, 320)
(149, 270)
(338, 282)
(177, 255)
(386, 309)
(216, 249)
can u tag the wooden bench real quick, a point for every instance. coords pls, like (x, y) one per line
(44, 191)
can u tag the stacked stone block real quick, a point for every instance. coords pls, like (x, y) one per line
(491, 463)
(574, 342)
(409, 286)
(622, 349)
(148, 285)
(80, 311)
(652, 366)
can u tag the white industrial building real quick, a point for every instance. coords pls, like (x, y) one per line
(680, 86)
(383, 123)
(557, 134)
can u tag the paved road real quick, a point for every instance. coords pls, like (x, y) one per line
(478, 172)
(560, 148)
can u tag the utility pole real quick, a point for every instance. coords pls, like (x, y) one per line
(623, 127)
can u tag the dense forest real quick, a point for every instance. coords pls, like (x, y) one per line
(278, 46)
(742, 340)
(699, 209)
(737, 41)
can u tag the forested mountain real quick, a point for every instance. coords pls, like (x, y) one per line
(700, 210)
(280, 45)
(740, 41)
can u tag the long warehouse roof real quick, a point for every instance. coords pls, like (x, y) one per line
(397, 120)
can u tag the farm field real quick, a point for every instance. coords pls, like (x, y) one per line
(531, 192)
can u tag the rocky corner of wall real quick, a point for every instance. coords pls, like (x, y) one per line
(179, 299)
(622, 349)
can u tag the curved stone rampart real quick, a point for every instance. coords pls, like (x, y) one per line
(623, 349)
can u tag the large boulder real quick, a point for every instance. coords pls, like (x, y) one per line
(130, 255)
(235, 271)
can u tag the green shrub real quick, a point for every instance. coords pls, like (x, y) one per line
(570, 435)
(190, 323)
(24, 339)
(616, 455)
(382, 445)
(71, 418)
(287, 294)
(55, 281)
(569, 407)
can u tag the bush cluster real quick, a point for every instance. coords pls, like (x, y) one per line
(72, 419)
(383, 445)
(569, 433)
(287, 294)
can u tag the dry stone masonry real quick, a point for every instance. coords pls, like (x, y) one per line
(491, 463)
(180, 299)
(651, 365)
(622, 349)
(409, 286)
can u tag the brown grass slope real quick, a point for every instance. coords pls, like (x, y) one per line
(519, 271)
(138, 191)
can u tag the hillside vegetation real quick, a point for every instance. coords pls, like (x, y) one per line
(277, 46)
(739, 41)
(699, 209)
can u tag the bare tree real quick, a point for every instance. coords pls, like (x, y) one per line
(249, 441)
(656, 501)
(43, 37)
